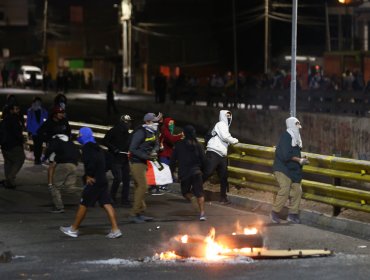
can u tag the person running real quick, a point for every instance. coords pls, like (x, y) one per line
(216, 153)
(189, 155)
(117, 141)
(96, 185)
(144, 146)
(63, 156)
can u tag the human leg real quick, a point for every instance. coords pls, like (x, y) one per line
(117, 178)
(210, 166)
(125, 183)
(283, 193)
(13, 162)
(138, 171)
(222, 173)
(112, 216)
(37, 148)
(80, 216)
(295, 198)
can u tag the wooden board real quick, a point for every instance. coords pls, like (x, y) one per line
(270, 254)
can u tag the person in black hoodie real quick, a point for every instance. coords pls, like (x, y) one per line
(117, 141)
(12, 147)
(63, 156)
(96, 185)
(189, 155)
(55, 124)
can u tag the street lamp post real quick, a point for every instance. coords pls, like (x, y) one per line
(293, 70)
(126, 9)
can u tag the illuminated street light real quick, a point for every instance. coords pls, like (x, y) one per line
(126, 10)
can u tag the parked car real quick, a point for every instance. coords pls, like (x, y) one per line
(29, 76)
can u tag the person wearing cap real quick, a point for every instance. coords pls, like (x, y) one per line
(95, 185)
(216, 152)
(55, 124)
(117, 140)
(63, 156)
(287, 170)
(188, 154)
(144, 146)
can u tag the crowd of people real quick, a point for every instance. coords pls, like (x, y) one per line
(126, 156)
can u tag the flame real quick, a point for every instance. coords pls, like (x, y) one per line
(184, 238)
(213, 250)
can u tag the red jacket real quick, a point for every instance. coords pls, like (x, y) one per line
(167, 139)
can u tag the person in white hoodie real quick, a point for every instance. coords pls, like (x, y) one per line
(216, 152)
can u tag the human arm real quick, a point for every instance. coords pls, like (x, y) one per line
(222, 130)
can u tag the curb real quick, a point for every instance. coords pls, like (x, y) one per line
(308, 217)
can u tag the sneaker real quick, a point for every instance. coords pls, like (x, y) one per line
(145, 218)
(136, 220)
(57, 210)
(203, 218)
(69, 231)
(275, 217)
(224, 201)
(157, 192)
(114, 234)
(163, 188)
(293, 218)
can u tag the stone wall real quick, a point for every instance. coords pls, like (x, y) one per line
(327, 134)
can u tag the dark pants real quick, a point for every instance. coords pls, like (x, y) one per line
(218, 163)
(13, 161)
(37, 147)
(121, 173)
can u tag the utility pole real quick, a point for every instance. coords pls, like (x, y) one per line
(293, 70)
(266, 64)
(327, 24)
(235, 50)
(45, 25)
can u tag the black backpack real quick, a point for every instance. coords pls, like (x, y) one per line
(208, 136)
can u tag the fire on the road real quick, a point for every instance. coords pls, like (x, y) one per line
(209, 247)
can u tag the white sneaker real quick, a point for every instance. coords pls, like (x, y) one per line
(114, 234)
(69, 231)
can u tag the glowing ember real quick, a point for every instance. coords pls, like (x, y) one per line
(250, 231)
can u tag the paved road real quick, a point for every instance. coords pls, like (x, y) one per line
(40, 251)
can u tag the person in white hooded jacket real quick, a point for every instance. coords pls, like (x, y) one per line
(216, 152)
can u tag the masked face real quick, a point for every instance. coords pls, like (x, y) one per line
(153, 126)
(171, 126)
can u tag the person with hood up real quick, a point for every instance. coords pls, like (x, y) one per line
(96, 185)
(167, 140)
(287, 170)
(216, 152)
(189, 155)
(63, 156)
(117, 141)
(36, 116)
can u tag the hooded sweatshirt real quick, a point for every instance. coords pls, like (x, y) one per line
(167, 139)
(93, 158)
(62, 150)
(222, 138)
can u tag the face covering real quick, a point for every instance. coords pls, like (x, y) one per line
(229, 121)
(36, 105)
(171, 128)
(152, 127)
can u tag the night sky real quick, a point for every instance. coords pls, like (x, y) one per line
(217, 15)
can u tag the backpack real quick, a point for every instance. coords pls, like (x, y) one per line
(210, 134)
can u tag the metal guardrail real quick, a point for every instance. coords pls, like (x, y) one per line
(256, 157)
(335, 168)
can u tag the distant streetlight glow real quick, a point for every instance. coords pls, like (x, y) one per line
(345, 1)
